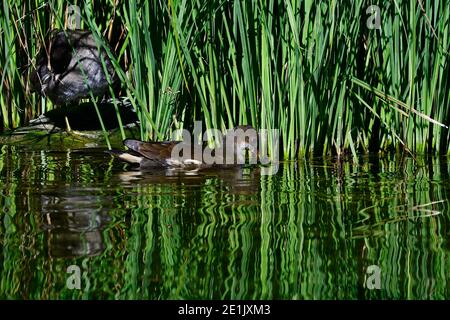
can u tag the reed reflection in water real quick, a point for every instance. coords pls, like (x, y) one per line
(309, 232)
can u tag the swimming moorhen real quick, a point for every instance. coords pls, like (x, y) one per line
(167, 154)
(70, 67)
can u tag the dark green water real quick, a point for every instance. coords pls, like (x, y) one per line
(308, 232)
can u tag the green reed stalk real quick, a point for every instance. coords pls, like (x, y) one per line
(316, 71)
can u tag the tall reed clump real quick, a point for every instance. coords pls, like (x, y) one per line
(13, 58)
(332, 77)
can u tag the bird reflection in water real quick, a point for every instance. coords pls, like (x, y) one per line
(74, 227)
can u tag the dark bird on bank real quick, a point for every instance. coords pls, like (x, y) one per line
(182, 154)
(70, 67)
(84, 116)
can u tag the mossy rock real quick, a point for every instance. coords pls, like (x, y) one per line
(77, 126)
(64, 140)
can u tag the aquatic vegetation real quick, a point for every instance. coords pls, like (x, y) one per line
(309, 232)
(333, 77)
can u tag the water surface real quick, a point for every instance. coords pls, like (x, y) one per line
(309, 232)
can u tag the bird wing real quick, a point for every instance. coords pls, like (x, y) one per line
(157, 151)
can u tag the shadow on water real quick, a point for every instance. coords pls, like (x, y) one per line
(309, 232)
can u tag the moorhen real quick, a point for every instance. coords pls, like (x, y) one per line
(70, 67)
(167, 154)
